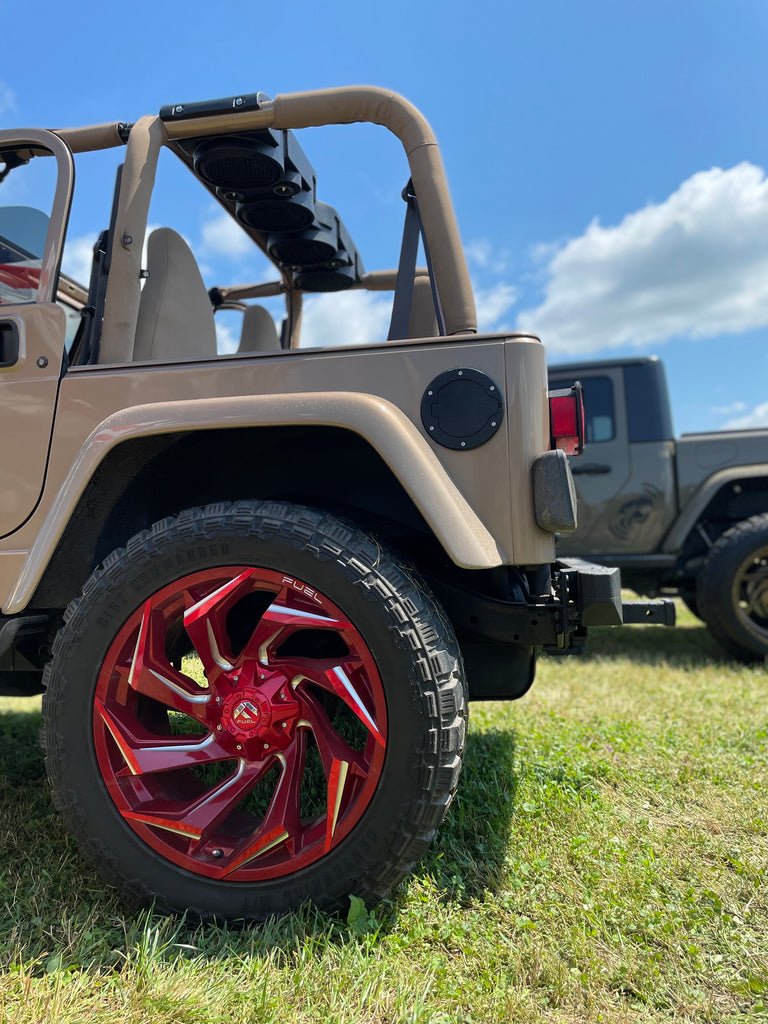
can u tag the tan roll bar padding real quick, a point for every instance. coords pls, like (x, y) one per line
(385, 280)
(121, 306)
(375, 281)
(380, 106)
(97, 136)
(261, 290)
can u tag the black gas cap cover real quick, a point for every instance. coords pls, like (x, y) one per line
(462, 408)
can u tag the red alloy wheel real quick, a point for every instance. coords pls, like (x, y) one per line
(266, 761)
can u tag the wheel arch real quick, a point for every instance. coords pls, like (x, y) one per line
(725, 498)
(143, 479)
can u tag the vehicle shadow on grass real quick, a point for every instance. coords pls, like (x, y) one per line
(467, 857)
(54, 907)
(685, 646)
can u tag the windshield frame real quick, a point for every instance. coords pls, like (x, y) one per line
(35, 143)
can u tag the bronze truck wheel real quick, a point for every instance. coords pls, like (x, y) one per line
(732, 591)
(252, 705)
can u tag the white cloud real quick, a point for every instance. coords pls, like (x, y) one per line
(362, 318)
(492, 304)
(77, 259)
(226, 339)
(7, 99)
(481, 253)
(728, 410)
(223, 237)
(695, 265)
(345, 318)
(757, 418)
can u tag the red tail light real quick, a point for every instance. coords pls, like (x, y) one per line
(566, 418)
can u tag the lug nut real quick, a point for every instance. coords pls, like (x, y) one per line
(217, 853)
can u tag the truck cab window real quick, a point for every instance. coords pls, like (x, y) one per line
(600, 424)
(599, 415)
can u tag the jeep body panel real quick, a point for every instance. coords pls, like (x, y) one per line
(27, 403)
(30, 372)
(102, 406)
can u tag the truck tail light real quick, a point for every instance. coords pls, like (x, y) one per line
(566, 419)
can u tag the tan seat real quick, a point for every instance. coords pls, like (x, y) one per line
(175, 320)
(258, 333)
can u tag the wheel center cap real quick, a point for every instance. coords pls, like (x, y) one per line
(245, 714)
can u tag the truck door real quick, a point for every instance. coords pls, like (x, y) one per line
(36, 176)
(625, 477)
(602, 471)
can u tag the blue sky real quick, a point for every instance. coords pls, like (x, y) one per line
(606, 159)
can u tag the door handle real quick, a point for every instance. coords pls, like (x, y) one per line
(9, 344)
(591, 468)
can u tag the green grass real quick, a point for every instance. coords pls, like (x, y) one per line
(604, 861)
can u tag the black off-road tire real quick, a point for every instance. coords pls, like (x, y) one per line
(732, 589)
(688, 597)
(403, 628)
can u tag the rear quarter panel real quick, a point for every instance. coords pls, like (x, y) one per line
(495, 479)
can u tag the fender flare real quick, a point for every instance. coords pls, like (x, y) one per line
(389, 431)
(677, 536)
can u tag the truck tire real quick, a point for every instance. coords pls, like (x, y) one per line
(319, 747)
(688, 597)
(732, 590)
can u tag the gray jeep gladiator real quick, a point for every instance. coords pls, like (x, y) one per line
(258, 588)
(685, 516)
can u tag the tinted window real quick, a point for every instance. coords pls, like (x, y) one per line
(26, 198)
(599, 420)
(648, 412)
(23, 232)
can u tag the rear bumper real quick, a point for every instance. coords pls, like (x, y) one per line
(499, 638)
(582, 595)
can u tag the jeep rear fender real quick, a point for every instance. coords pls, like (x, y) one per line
(453, 521)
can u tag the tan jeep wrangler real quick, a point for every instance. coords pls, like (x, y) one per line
(258, 589)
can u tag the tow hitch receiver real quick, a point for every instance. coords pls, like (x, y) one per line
(661, 612)
(593, 592)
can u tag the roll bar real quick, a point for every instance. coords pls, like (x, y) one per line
(346, 105)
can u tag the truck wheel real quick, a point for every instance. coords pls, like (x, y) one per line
(688, 597)
(252, 705)
(732, 590)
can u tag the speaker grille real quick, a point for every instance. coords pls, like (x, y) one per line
(325, 280)
(276, 215)
(238, 164)
(303, 252)
(242, 172)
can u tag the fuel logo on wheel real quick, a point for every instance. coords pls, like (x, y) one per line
(246, 715)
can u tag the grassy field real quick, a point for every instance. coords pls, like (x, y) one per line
(605, 861)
